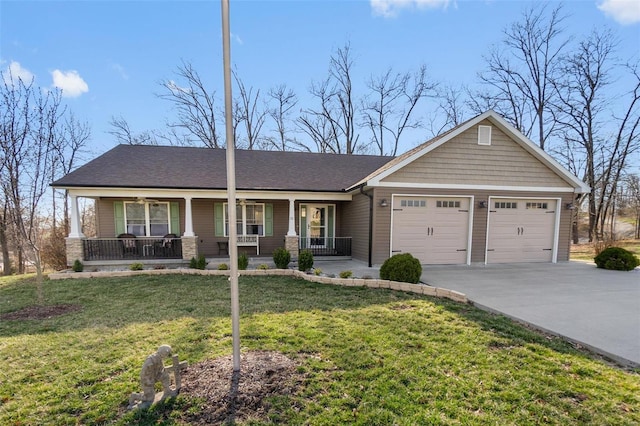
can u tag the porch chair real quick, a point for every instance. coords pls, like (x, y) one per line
(167, 246)
(129, 245)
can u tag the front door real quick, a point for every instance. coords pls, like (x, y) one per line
(317, 223)
(317, 226)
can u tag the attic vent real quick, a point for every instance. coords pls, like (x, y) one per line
(484, 135)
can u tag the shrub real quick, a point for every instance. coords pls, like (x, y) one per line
(136, 266)
(263, 266)
(305, 260)
(223, 267)
(243, 262)
(77, 266)
(401, 267)
(616, 258)
(346, 274)
(317, 271)
(199, 263)
(281, 257)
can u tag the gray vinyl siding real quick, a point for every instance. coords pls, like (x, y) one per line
(354, 220)
(382, 226)
(203, 226)
(462, 161)
(382, 219)
(106, 226)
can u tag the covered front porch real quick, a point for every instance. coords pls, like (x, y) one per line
(197, 226)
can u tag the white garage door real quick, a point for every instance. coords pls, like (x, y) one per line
(435, 230)
(521, 230)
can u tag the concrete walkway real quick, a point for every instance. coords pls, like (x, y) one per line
(595, 308)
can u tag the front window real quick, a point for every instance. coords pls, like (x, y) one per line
(147, 219)
(249, 219)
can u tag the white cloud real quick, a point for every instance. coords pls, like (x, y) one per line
(237, 38)
(14, 72)
(625, 12)
(70, 82)
(120, 70)
(391, 8)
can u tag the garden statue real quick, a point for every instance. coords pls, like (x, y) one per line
(154, 371)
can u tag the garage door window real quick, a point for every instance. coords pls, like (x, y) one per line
(413, 203)
(448, 204)
(537, 206)
(506, 205)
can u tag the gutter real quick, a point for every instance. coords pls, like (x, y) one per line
(370, 222)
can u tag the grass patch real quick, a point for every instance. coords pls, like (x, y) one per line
(586, 251)
(370, 356)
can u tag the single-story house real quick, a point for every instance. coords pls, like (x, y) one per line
(479, 193)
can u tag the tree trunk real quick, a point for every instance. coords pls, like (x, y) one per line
(4, 245)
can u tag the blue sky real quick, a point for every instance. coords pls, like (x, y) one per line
(109, 56)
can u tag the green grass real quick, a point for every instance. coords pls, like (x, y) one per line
(372, 357)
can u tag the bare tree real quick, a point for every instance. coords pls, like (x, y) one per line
(250, 113)
(603, 140)
(121, 130)
(332, 125)
(72, 143)
(285, 100)
(194, 104)
(30, 118)
(452, 106)
(633, 189)
(521, 71)
(388, 110)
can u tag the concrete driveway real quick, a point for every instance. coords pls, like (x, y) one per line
(596, 308)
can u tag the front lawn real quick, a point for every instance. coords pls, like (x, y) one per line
(369, 356)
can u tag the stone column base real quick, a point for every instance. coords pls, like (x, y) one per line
(189, 247)
(73, 250)
(291, 244)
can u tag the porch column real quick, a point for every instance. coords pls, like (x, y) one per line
(292, 218)
(76, 228)
(291, 240)
(188, 219)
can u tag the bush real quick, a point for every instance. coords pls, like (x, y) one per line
(136, 267)
(305, 260)
(317, 271)
(199, 263)
(401, 267)
(616, 258)
(243, 262)
(263, 267)
(281, 257)
(77, 266)
(346, 274)
(223, 267)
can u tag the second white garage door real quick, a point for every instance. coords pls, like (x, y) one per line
(435, 230)
(521, 230)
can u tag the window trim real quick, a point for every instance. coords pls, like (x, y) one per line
(244, 218)
(147, 217)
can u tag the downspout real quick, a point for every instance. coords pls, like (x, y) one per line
(370, 223)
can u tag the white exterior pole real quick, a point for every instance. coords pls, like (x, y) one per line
(231, 186)
(188, 218)
(76, 228)
(292, 218)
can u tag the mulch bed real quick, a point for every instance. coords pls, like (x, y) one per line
(225, 397)
(39, 312)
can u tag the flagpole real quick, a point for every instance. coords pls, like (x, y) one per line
(231, 186)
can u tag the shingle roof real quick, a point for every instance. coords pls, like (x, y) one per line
(145, 166)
